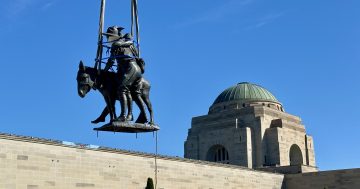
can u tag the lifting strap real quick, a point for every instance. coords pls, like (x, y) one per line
(99, 51)
(135, 23)
(134, 27)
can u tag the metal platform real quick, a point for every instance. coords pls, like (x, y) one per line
(128, 127)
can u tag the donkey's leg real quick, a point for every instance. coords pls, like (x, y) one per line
(140, 103)
(146, 98)
(145, 93)
(105, 112)
(102, 117)
(110, 106)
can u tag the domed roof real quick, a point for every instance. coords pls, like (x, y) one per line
(245, 92)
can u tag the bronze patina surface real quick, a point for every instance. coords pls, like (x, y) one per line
(128, 127)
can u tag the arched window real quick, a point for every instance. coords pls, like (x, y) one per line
(295, 155)
(218, 154)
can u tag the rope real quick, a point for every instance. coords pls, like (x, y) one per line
(120, 56)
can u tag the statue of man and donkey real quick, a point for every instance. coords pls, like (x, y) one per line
(127, 84)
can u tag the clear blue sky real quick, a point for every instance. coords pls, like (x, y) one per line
(307, 53)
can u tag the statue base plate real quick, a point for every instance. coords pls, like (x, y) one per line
(128, 127)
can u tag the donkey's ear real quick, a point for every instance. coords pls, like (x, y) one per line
(81, 66)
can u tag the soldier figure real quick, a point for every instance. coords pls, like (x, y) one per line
(128, 71)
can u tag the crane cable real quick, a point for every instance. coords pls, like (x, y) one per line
(156, 154)
(135, 26)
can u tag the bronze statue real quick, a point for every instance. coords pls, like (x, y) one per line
(129, 74)
(126, 84)
(106, 83)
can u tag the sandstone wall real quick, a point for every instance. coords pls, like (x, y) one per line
(27, 163)
(349, 179)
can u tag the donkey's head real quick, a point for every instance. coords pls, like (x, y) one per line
(84, 79)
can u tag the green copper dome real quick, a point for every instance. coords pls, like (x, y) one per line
(245, 92)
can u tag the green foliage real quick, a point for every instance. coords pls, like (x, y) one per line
(150, 183)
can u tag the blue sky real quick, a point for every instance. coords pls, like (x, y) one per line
(305, 52)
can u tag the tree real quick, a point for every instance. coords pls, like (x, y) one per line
(150, 183)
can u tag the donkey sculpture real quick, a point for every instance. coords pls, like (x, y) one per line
(106, 82)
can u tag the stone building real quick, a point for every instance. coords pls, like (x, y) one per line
(34, 163)
(246, 141)
(247, 126)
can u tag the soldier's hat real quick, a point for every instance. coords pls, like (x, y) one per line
(113, 31)
(128, 37)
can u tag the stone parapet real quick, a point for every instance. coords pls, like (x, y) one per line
(348, 178)
(27, 162)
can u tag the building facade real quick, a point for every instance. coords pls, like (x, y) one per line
(247, 141)
(33, 163)
(247, 126)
